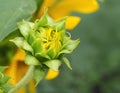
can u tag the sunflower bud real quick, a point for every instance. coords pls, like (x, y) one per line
(45, 42)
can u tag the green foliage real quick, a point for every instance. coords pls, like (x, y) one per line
(13, 12)
(4, 85)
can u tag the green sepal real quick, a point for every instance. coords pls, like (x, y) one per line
(4, 85)
(66, 40)
(60, 24)
(31, 38)
(69, 46)
(3, 78)
(38, 74)
(31, 60)
(21, 43)
(37, 46)
(67, 62)
(53, 64)
(25, 28)
(51, 53)
(43, 55)
(50, 20)
(44, 21)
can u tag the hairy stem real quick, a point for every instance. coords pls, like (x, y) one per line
(28, 76)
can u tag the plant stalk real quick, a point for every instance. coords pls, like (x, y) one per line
(28, 76)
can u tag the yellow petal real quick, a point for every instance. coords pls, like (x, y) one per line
(64, 7)
(17, 67)
(51, 74)
(72, 22)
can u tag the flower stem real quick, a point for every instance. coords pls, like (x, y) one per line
(28, 76)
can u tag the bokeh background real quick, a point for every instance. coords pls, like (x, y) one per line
(96, 61)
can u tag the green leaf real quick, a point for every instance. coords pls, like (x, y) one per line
(21, 43)
(67, 62)
(38, 74)
(31, 60)
(12, 12)
(53, 64)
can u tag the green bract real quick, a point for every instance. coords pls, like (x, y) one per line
(45, 42)
(4, 85)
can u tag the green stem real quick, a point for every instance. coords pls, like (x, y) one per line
(28, 76)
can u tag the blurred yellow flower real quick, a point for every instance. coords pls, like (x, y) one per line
(61, 8)
(17, 70)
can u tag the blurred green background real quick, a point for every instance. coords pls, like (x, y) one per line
(96, 61)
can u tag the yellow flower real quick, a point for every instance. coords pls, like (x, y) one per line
(17, 69)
